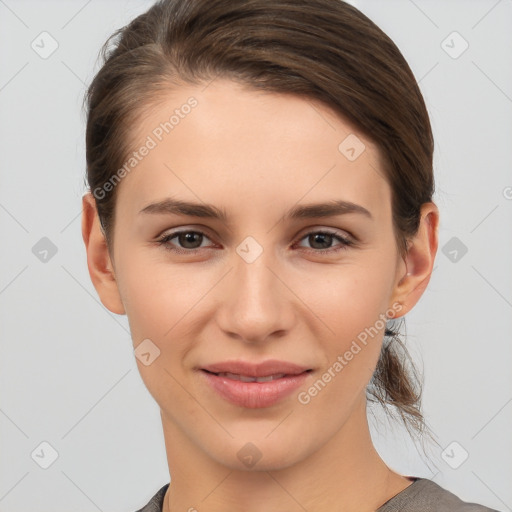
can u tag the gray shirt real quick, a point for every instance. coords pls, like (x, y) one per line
(422, 495)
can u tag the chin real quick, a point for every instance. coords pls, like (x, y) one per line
(260, 454)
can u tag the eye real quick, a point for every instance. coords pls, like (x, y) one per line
(323, 239)
(190, 241)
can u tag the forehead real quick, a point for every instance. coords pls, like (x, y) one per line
(223, 142)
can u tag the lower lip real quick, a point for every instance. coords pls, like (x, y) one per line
(254, 395)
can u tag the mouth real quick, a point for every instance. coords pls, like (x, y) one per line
(247, 369)
(254, 391)
(249, 378)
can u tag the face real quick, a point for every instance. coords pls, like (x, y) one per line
(271, 280)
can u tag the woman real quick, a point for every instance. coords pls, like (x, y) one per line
(260, 208)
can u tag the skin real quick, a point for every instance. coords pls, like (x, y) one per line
(256, 155)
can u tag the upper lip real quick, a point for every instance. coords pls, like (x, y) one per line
(262, 369)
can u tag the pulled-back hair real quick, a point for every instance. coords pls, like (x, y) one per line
(323, 50)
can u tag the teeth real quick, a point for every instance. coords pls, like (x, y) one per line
(246, 378)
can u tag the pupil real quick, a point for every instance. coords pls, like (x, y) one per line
(321, 237)
(186, 238)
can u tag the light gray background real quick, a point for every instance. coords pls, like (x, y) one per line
(67, 368)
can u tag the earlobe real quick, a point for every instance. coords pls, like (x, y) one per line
(99, 261)
(418, 261)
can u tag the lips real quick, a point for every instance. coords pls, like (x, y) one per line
(253, 385)
(246, 378)
(268, 368)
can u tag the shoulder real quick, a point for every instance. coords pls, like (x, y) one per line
(155, 504)
(425, 495)
(421, 496)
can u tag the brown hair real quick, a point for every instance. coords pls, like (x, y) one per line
(324, 50)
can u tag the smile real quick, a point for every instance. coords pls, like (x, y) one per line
(247, 378)
(254, 392)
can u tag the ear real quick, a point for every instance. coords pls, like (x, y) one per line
(99, 261)
(415, 268)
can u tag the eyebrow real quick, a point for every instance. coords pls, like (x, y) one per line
(309, 211)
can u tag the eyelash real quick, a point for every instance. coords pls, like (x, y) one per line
(345, 242)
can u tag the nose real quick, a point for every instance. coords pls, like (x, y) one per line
(255, 305)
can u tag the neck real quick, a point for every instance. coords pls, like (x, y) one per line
(345, 475)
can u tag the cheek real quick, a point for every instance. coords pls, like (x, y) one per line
(350, 298)
(352, 305)
(159, 303)
(157, 297)
(350, 352)
(161, 300)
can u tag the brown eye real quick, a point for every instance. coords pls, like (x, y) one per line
(187, 241)
(321, 241)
